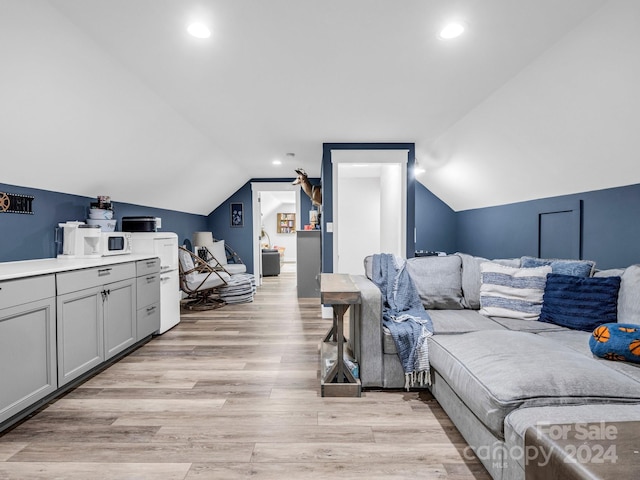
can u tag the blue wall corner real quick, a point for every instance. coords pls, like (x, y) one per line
(241, 238)
(436, 226)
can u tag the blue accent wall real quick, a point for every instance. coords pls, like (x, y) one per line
(240, 238)
(436, 225)
(610, 223)
(26, 237)
(610, 227)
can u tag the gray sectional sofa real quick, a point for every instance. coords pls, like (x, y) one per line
(497, 376)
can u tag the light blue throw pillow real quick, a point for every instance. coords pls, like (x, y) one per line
(577, 268)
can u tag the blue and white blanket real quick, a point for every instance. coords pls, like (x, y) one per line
(404, 316)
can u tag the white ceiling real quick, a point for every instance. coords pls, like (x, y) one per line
(113, 97)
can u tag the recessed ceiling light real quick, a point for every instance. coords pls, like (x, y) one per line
(277, 162)
(199, 30)
(452, 30)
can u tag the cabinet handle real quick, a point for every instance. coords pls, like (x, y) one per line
(151, 309)
(104, 271)
(151, 279)
(151, 263)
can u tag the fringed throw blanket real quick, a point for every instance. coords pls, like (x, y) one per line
(404, 316)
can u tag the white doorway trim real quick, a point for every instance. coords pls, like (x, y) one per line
(256, 188)
(369, 156)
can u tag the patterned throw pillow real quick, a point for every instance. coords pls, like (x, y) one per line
(581, 303)
(616, 341)
(579, 268)
(512, 292)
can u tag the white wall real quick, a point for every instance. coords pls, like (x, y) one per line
(390, 205)
(287, 240)
(359, 222)
(567, 123)
(273, 203)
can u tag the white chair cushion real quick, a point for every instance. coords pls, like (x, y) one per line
(235, 268)
(187, 264)
(218, 251)
(213, 281)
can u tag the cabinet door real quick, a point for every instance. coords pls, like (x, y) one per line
(27, 355)
(119, 316)
(80, 337)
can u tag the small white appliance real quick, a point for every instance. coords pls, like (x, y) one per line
(115, 243)
(80, 240)
(165, 246)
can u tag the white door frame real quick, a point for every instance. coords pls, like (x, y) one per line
(256, 188)
(384, 156)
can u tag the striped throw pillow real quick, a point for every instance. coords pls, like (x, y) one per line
(512, 292)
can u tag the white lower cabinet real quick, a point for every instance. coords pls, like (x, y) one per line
(27, 343)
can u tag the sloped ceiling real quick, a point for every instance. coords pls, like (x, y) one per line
(114, 97)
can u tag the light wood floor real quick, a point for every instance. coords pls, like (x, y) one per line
(234, 393)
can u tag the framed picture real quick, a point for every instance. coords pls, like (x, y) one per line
(237, 215)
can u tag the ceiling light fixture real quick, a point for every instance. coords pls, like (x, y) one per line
(452, 30)
(199, 30)
(277, 162)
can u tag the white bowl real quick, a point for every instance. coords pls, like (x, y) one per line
(100, 214)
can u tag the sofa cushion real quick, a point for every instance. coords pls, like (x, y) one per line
(461, 321)
(368, 266)
(629, 296)
(471, 277)
(616, 341)
(527, 325)
(449, 322)
(496, 371)
(579, 341)
(512, 292)
(581, 303)
(580, 268)
(438, 281)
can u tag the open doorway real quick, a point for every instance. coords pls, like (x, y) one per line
(369, 206)
(275, 222)
(278, 211)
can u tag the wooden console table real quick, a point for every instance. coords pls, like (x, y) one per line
(339, 291)
(583, 451)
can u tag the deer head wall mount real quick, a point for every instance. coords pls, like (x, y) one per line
(313, 191)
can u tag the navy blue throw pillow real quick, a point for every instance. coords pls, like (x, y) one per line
(581, 303)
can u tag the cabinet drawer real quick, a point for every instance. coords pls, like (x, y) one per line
(148, 289)
(148, 320)
(145, 267)
(93, 277)
(25, 290)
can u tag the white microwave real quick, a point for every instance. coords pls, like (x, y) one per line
(115, 243)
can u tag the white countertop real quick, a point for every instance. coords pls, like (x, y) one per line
(45, 266)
